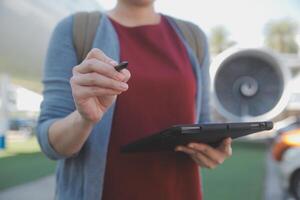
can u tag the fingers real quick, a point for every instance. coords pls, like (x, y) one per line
(126, 74)
(207, 156)
(213, 154)
(198, 157)
(204, 161)
(97, 61)
(185, 150)
(94, 65)
(100, 55)
(225, 147)
(96, 76)
(95, 79)
(83, 92)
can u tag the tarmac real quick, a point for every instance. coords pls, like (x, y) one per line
(42, 189)
(273, 189)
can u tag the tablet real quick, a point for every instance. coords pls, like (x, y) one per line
(211, 134)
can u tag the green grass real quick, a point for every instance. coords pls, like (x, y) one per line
(23, 162)
(15, 147)
(239, 178)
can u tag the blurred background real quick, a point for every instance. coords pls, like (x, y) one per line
(255, 71)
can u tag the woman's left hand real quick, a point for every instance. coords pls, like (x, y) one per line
(207, 156)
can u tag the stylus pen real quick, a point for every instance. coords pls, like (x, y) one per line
(121, 66)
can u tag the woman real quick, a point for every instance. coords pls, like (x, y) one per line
(82, 125)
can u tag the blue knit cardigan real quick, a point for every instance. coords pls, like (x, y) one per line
(80, 177)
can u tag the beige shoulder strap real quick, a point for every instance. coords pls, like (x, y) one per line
(84, 30)
(194, 36)
(86, 23)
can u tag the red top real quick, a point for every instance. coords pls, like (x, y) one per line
(162, 92)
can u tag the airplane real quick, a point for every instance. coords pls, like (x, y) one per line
(26, 26)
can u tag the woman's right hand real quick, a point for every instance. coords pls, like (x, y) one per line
(95, 85)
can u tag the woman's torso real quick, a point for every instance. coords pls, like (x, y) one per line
(162, 92)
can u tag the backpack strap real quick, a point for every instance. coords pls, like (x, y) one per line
(84, 30)
(194, 36)
(86, 23)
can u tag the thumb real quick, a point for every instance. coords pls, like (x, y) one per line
(225, 146)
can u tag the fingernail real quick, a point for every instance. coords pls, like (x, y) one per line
(124, 86)
(113, 62)
(191, 146)
(120, 76)
(228, 141)
(178, 148)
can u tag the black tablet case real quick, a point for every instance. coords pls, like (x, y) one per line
(211, 134)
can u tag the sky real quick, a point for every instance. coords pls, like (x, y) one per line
(244, 19)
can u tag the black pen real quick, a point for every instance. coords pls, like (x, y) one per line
(121, 66)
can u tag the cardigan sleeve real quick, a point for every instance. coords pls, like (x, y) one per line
(199, 44)
(202, 51)
(205, 114)
(57, 95)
